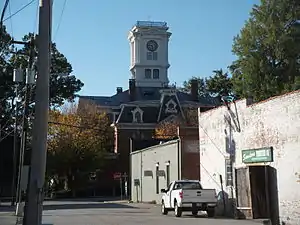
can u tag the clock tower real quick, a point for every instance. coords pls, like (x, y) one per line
(149, 53)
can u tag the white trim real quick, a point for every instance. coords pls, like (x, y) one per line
(171, 110)
(134, 112)
(121, 112)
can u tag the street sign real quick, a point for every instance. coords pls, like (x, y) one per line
(257, 155)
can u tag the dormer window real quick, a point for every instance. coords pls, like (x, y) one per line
(137, 115)
(171, 106)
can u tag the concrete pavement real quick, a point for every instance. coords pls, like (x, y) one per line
(115, 213)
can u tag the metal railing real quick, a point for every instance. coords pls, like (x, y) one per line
(151, 24)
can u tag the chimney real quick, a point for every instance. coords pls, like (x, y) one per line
(132, 89)
(119, 90)
(194, 89)
(249, 100)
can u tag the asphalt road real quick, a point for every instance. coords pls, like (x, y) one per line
(113, 213)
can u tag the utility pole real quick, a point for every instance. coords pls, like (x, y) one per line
(28, 83)
(34, 208)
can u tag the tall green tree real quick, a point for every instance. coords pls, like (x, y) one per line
(63, 85)
(201, 85)
(219, 84)
(268, 51)
(62, 88)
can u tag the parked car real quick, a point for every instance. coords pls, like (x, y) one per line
(188, 195)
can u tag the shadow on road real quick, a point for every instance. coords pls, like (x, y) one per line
(92, 199)
(7, 208)
(87, 206)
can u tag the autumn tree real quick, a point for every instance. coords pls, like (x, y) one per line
(77, 143)
(168, 128)
(268, 51)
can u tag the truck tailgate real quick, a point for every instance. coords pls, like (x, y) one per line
(199, 196)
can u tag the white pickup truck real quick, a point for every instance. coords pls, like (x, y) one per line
(188, 195)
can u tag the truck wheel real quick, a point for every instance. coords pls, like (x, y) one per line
(164, 211)
(178, 211)
(194, 212)
(210, 212)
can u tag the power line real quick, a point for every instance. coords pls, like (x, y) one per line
(60, 19)
(21, 9)
(3, 13)
(11, 23)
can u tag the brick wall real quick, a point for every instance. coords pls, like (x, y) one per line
(274, 122)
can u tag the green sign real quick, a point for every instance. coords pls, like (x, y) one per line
(257, 155)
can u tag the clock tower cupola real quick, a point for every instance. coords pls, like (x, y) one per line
(149, 53)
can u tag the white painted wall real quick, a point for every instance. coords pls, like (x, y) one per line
(274, 122)
(138, 38)
(146, 160)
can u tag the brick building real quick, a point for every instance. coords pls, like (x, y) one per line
(149, 99)
(255, 147)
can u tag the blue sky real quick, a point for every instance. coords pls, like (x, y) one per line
(93, 35)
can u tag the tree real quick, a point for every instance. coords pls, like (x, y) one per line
(77, 143)
(268, 51)
(5, 79)
(168, 129)
(63, 85)
(201, 85)
(219, 84)
(62, 88)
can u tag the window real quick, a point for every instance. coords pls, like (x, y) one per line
(149, 55)
(156, 74)
(188, 185)
(137, 115)
(169, 187)
(147, 73)
(152, 56)
(228, 175)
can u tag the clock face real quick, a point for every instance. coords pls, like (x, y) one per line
(152, 45)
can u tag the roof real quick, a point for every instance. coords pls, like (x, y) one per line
(151, 95)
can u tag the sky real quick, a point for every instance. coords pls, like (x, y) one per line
(93, 35)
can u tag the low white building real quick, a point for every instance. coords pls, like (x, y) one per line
(263, 182)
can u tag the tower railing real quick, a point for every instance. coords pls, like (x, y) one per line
(151, 24)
